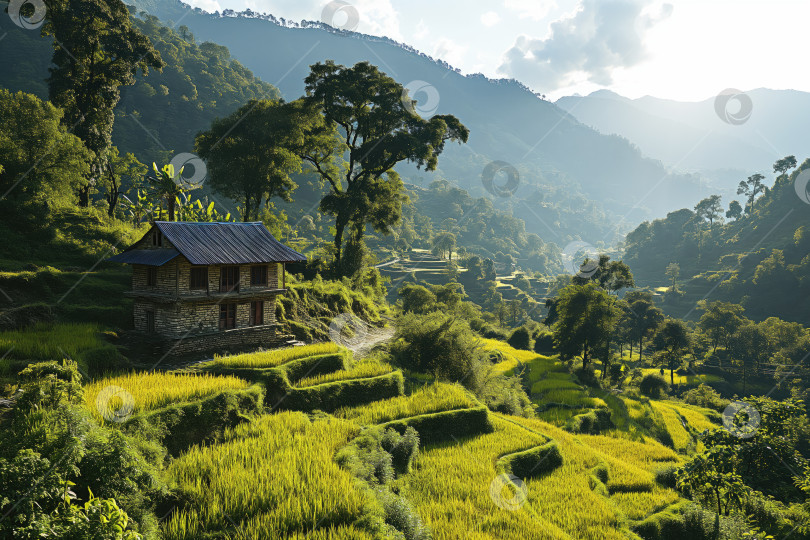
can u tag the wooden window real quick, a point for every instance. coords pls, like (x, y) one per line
(150, 322)
(199, 278)
(257, 313)
(229, 279)
(157, 238)
(258, 275)
(227, 316)
(151, 276)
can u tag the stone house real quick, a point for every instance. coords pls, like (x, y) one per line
(204, 286)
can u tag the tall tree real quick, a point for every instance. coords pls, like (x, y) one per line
(378, 129)
(751, 187)
(585, 319)
(709, 208)
(120, 171)
(720, 321)
(96, 50)
(784, 165)
(249, 154)
(645, 317)
(672, 339)
(750, 347)
(41, 161)
(445, 242)
(672, 272)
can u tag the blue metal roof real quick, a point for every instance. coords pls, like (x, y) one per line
(149, 257)
(221, 243)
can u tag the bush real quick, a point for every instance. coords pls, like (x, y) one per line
(103, 360)
(403, 448)
(666, 476)
(401, 515)
(587, 376)
(506, 395)
(593, 421)
(705, 396)
(520, 338)
(438, 344)
(544, 342)
(535, 461)
(653, 386)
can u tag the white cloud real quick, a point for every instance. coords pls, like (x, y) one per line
(531, 9)
(421, 30)
(449, 51)
(490, 18)
(589, 45)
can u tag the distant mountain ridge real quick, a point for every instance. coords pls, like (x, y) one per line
(692, 136)
(507, 121)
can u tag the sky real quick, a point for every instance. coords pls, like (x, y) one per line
(686, 50)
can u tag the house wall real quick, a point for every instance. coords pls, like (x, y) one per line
(191, 318)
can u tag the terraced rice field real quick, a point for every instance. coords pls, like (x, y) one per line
(428, 399)
(281, 482)
(138, 392)
(275, 357)
(360, 370)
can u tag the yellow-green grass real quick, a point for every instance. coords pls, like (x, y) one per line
(558, 416)
(152, 390)
(273, 478)
(361, 370)
(688, 379)
(639, 505)
(565, 496)
(275, 357)
(432, 398)
(49, 341)
(512, 357)
(695, 416)
(544, 385)
(635, 408)
(570, 397)
(674, 425)
(450, 488)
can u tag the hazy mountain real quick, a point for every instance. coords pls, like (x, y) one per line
(507, 121)
(692, 136)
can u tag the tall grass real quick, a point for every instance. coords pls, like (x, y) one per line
(152, 390)
(428, 399)
(49, 341)
(272, 478)
(360, 370)
(273, 358)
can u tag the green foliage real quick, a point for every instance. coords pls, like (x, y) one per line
(653, 386)
(594, 421)
(97, 49)
(586, 317)
(42, 161)
(705, 396)
(534, 462)
(367, 106)
(520, 338)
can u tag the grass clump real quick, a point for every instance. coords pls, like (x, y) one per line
(431, 398)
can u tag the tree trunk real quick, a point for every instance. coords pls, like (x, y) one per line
(340, 226)
(171, 205)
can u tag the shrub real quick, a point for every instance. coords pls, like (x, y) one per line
(666, 476)
(544, 342)
(587, 376)
(705, 396)
(520, 338)
(653, 386)
(402, 516)
(593, 421)
(403, 448)
(535, 461)
(103, 360)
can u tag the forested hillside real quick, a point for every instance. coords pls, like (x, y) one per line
(752, 252)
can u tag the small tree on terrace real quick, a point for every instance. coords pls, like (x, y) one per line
(784, 165)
